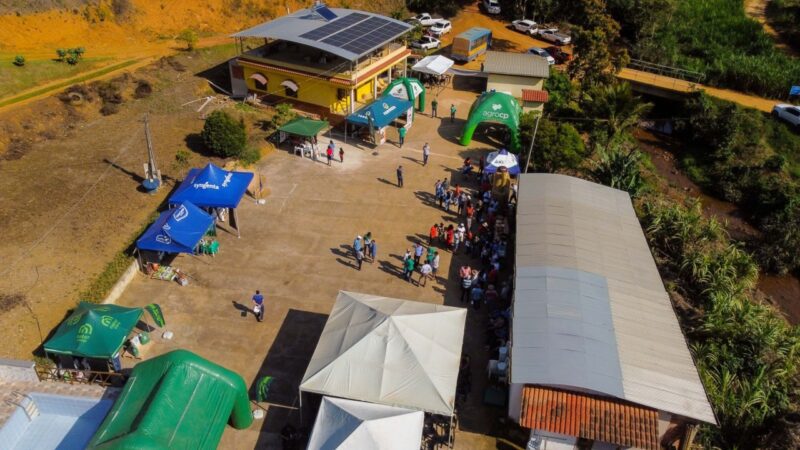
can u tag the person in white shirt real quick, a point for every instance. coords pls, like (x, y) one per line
(426, 152)
(424, 273)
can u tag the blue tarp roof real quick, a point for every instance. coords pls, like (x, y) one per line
(212, 187)
(383, 111)
(177, 230)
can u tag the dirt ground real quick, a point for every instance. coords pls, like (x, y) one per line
(69, 191)
(295, 249)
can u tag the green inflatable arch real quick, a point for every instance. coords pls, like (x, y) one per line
(407, 88)
(495, 107)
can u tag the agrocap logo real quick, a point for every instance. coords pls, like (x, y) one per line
(84, 333)
(496, 106)
(110, 322)
(496, 112)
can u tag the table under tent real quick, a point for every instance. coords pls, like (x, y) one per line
(214, 189)
(344, 424)
(391, 352)
(94, 335)
(302, 136)
(181, 229)
(176, 400)
(433, 69)
(372, 120)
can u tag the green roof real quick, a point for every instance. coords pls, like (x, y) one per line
(304, 127)
(175, 401)
(94, 331)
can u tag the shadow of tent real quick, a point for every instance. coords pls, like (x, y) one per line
(286, 362)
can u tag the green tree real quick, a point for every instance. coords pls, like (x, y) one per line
(616, 106)
(224, 135)
(620, 168)
(558, 146)
(598, 50)
(563, 95)
(189, 37)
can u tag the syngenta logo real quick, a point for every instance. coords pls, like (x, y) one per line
(227, 179)
(84, 333)
(205, 185)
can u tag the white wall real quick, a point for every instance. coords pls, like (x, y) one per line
(513, 84)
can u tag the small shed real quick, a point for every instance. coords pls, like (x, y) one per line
(521, 75)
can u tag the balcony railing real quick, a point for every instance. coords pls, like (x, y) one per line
(74, 376)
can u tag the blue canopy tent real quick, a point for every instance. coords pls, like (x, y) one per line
(380, 113)
(213, 187)
(177, 230)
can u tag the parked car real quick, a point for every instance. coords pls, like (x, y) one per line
(423, 19)
(525, 26)
(427, 43)
(491, 6)
(552, 35)
(543, 53)
(559, 55)
(788, 113)
(440, 28)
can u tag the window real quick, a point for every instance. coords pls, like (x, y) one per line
(259, 81)
(341, 94)
(290, 88)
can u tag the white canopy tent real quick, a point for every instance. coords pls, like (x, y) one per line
(389, 351)
(350, 425)
(433, 65)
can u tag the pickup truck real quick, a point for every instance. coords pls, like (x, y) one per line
(788, 113)
(426, 43)
(423, 19)
(552, 35)
(440, 28)
(525, 26)
(491, 6)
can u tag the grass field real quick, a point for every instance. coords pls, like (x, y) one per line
(14, 80)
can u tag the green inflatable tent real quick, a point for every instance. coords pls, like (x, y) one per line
(495, 107)
(407, 88)
(175, 401)
(98, 331)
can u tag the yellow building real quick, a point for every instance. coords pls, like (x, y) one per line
(327, 61)
(521, 75)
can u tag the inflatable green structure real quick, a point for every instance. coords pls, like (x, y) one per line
(495, 107)
(407, 88)
(175, 401)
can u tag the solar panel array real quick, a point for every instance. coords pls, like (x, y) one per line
(333, 27)
(356, 32)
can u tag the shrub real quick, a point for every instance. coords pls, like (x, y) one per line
(143, 89)
(72, 60)
(189, 37)
(109, 109)
(558, 146)
(224, 135)
(62, 54)
(19, 60)
(283, 114)
(181, 158)
(250, 155)
(619, 166)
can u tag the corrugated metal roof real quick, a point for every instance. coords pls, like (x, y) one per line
(474, 33)
(590, 309)
(590, 417)
(520, 64)
(290, 28)
(534, 95)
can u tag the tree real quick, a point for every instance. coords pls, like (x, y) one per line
(563, 95)
(224, 135)
(598, 52)
(189, 37)
(616, 105)
(558, 146)
(620, 168)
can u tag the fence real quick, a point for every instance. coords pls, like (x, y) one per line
(74, 376)
(667, 71)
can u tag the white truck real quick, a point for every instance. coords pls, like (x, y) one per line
(788, 113)
(423, 19)
(552, 35)
(491, 6)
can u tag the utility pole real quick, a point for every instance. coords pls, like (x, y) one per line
(533, 139)
(152, 175)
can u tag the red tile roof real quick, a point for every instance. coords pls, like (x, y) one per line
(591, 417)
(533, 95)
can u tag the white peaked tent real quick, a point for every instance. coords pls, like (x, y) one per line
(350, 425)
(389, 351)
(433, 65)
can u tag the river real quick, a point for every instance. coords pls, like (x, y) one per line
(783, 291)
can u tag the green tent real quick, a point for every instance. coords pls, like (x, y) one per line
(304, 127)
(94, 331)
(496, 107)
(407, 88)
(175, 401)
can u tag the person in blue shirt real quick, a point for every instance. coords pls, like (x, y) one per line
(373, 251)
(258, 306)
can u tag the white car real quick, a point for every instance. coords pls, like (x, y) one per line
(788, 113)
(423, 19)
(552, 35)
(491, 6)
(525, 26)
(426, 43)
(440, 28)
(543, 53)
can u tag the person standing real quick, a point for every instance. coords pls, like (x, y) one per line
(408, 267)
(481, 165)
(373, 251)
(426, 152)
(434, 107)
(359, 258)
(357, 244)
(424, 273)
(434, 234)
(367, 242)
(418, 250)
(466, 287)
(258, 306)
(399, 176)
(452, 112)
(329, 153)
(401, 131)
(406, 256)
(470, 213)
(435, 263)
(341, 155)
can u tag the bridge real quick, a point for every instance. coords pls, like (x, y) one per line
(675, 83)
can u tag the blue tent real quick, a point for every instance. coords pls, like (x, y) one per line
(212, 187)
(382, 111)
(177, 230)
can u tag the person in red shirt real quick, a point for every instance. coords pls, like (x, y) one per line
(457, 190)
(433, 235)
(450, 236)
(470, 213)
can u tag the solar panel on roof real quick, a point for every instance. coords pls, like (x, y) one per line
(335, 26)
(366, 35)
(325, 12)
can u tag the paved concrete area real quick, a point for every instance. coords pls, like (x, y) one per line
(295, 249)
